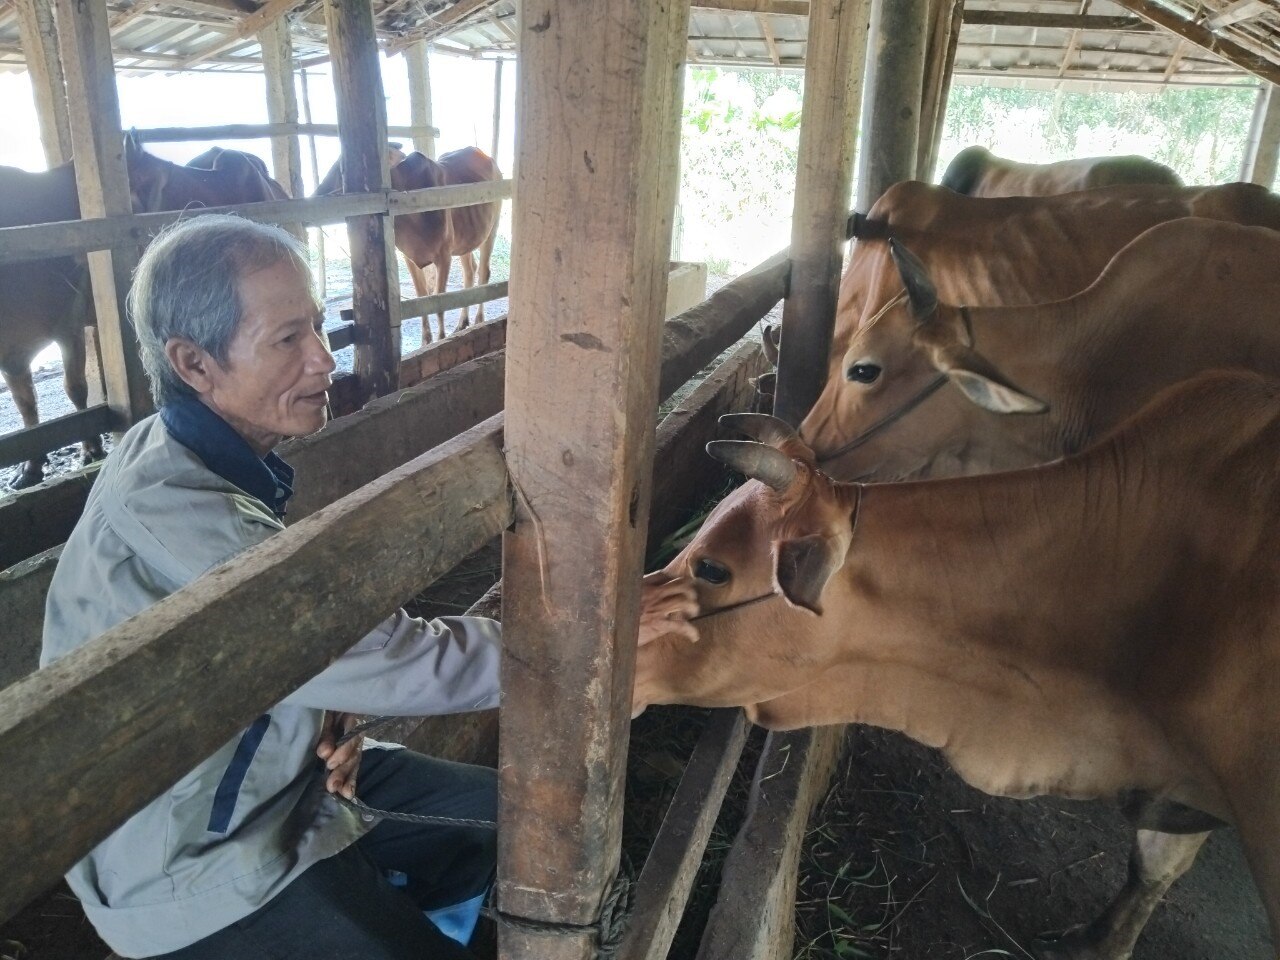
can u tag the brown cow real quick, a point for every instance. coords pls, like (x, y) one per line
(331, 184)
(233, 177)
(436, 236)
(1012, 251)
(975, 171)
(1105, 626)
(932, 389)
(42, 301)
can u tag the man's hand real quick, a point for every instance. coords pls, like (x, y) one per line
(342, 761)
(666, 606)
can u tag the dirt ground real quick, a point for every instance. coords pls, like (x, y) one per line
(905, 860)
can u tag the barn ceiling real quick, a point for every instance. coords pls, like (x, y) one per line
(1117, 41)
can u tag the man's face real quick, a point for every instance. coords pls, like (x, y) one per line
(278, 367)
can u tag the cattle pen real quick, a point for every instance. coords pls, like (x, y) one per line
(541, 430)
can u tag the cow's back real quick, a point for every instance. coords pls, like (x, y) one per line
(976, 172)
(40, 300)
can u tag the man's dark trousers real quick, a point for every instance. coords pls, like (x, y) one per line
(344, 908)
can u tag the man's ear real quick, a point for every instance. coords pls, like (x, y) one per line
(802, 568)
(191, 363)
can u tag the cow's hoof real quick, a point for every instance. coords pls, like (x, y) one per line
(24, 479)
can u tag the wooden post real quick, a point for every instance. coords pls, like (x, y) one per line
(103, 184)
(598, 101)
(282, 104)
(40, 49)
(832, 101)
(497, 107)
(1263, 148)
(891, 134)
(944, 36)
(362, 123)
(415, 57)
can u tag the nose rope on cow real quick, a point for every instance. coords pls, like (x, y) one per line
(889, 419)
(735, 606)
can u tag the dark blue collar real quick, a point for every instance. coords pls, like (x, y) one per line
(228, 454)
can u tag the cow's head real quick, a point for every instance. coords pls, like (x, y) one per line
(910, 351)
(765, 567)
(148, 176)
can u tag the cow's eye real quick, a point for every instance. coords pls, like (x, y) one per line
(863, 373)
(711, 572)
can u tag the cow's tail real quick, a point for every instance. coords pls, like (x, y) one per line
(965, 171)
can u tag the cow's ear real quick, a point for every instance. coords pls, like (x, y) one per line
(802, 568)
(982, 382)
(920, 289)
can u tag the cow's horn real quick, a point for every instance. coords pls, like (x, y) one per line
(771, 467)
(920, 289)
(760, 426)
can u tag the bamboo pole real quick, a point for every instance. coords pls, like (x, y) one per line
(1263, 149)
(497, 108)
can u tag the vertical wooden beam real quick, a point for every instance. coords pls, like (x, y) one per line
(833, 76)
(282, 104)
(891, 134)
(40, 48)
(103, 184)
(322, 278)
(362, 133)
(415, 58)
(1263, 148)
(497, 108)
(944, 36)
(592, 217)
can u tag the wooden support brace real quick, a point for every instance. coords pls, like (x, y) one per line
(40, 50)
(419, 67)
(103, 185)
(282, 105)
(362, 121)
(754, 917)
(832, 102)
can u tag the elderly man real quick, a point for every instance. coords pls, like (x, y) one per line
(244, 857)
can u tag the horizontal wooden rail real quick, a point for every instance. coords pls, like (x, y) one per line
(68, 237)
(54, 434)
(452, 300)
(255, 131)
(1056, 21)
(92, 738)
(343, 336)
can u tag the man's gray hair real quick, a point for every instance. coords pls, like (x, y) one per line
(186, 286)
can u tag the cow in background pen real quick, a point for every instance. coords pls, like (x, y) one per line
(977, 172)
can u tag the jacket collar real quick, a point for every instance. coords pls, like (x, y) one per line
(227, 454)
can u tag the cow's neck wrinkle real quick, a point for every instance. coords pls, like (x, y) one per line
(987, 620)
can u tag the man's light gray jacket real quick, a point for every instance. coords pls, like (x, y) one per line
(235, 831)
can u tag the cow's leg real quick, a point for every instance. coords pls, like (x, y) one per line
(468, 281)
(1157, 860)
(23, 391)
(77, 387)
(419, 278)
(482, 266)
(442, 284)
